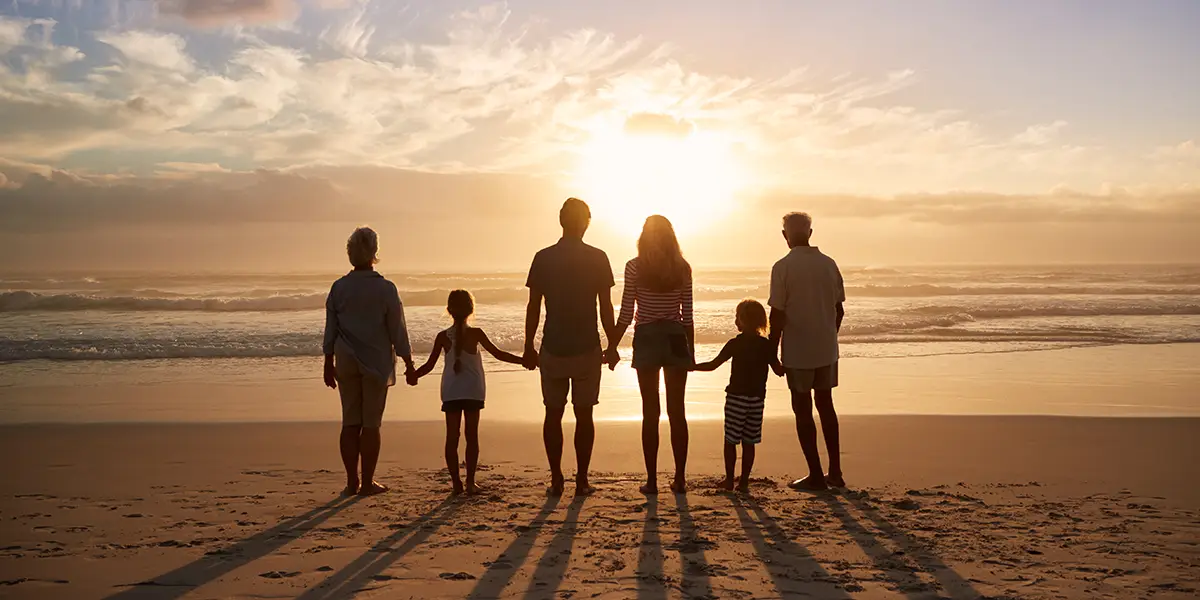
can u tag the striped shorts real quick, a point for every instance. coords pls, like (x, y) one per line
(743, 419)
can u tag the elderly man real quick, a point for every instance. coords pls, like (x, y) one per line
(806, 314)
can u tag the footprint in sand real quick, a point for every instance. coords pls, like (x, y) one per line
(278, 574)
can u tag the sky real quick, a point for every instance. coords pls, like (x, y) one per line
(252, 134)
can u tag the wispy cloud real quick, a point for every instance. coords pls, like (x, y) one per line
(492, 92)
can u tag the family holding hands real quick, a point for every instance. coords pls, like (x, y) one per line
(365, 331)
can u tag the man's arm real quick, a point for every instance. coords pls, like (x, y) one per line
(398, 330)
(607, 320)
(778, 321)
(533, 317)
(841, 313)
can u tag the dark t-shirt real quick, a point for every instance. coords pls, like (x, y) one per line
(752, 354)
(570, 275)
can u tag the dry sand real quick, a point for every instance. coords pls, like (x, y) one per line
(939, 507)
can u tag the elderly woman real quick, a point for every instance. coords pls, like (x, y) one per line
(364, 333)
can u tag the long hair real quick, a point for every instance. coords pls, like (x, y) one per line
(660, 261)
(461, 305)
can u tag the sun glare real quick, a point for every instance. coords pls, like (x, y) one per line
(690, 179)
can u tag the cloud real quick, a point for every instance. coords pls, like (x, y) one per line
(486, 91)
(42, 199)
(975, 208)
(659, 125)
(219, 12)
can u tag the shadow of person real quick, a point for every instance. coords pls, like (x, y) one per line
(894, 568)
(694, 567)
(651, 584)
(951, 582)
(501, 571)
(365, 569)
(793, 569)
(214, 565)
(552, 567)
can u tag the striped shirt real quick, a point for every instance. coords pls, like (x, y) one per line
(675, 305)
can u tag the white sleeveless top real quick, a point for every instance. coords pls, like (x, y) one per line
(468, 384)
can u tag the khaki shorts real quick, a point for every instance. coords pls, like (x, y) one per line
(820, 378)
(363, 396)
(578, 375)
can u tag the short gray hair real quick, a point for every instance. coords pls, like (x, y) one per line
(363, 247)
(798, 224)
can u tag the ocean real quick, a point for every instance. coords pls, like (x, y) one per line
(891, 312)
(201, 347)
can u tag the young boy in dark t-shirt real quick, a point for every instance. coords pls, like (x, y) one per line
(752, 355)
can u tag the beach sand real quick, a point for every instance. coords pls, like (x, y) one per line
(939, 507)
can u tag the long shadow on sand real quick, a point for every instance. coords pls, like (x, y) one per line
(951, 582)
(693, 565)
(501, 571)
(650, 579)
(793, 569)
(552, 567)
(214, 565)
(368, 568)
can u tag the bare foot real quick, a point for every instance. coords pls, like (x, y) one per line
(835, 480)
(351, 489)
(744, 488)
(458, 488)
(726, 484)
(556, 486)
(584, 490)
(473, 489)
(679, 486)
(812, 483)
(372, 489)
(649, 489)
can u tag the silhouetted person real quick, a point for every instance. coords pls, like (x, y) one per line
(364, 333)
(571, 277)
(806, 312)
(463, 385)
(745, 396)
(658, 294)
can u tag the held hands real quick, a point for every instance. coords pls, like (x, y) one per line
(610, 357)
(530, 359)
(778, 369)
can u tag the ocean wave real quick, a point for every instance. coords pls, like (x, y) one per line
(296, 300)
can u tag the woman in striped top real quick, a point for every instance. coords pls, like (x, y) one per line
(658, 297)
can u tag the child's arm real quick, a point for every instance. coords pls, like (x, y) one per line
(439, 344)
(725, 354)
(499, 354)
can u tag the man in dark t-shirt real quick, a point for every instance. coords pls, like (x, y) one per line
(571, 277)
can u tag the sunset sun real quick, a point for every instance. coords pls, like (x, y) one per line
(656, 165)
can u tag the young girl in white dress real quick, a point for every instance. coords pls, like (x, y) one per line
(463, 386)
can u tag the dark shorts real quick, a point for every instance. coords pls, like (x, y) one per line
(577, 376)
(661, 344)
(452, 405)
(743, 419)
(820, 378)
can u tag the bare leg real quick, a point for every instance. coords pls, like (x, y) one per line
(349, 446)
(552, 437)
(453, 423)
(829, 428)
(651, 412)
(472, 431)
(747, 465)
(585, 438)
(369, 443)
(676, 380)
(806, 430)
(730, 462)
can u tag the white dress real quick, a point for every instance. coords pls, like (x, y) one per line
(467, 383)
